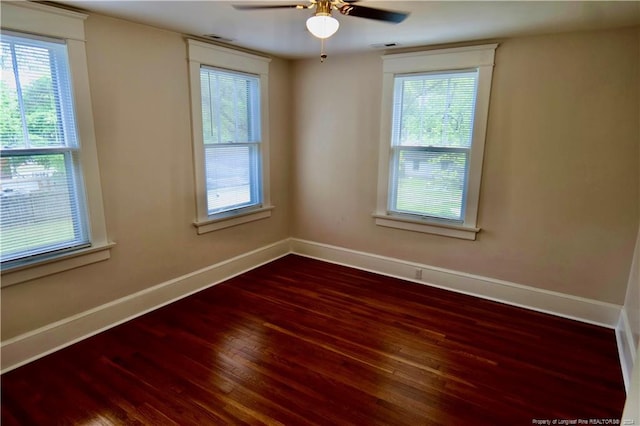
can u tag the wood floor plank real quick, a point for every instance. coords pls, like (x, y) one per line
(299, 341)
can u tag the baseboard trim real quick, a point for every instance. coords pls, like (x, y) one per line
(626, 347)
(38, 343)
(550, 302)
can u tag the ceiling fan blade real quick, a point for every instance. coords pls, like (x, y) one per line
(371, 13)
(266, 6)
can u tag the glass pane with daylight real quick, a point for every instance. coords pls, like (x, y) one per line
(230, 106)
(11, 134)
(36, 100)
(430, 183)
(231, 176)
(434, 109)
(39, 205)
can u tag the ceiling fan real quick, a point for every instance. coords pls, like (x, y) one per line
(322, 25)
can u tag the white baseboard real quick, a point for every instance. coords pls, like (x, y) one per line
(626, 347)
(35, 344)
(559, 304)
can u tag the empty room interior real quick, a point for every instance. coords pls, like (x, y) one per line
(213, 213)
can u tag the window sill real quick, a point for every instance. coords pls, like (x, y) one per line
(427, 227)
(232, 220)
(53, 265)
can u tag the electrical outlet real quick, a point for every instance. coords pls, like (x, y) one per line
(418, 273)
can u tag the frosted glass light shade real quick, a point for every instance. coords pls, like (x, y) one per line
(322, 26)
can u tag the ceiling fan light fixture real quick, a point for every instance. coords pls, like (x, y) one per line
(322, 26)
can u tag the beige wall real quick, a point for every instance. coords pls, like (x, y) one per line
(140, 95)
(559, 196)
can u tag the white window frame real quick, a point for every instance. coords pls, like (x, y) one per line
(39, 19)
(441, 60)
(200, 54)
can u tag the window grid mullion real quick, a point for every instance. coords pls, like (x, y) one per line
(36, 151)
(432, 148)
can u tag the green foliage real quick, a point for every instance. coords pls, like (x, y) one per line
(226, 107)
(437, 111)
(53, 162)
(10, 122)
(42, 124)
(41, 113)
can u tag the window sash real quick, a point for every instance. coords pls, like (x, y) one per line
(42, 199)
(425, 202)
(239, 125)
(41, 214)
(33, 59)
(237, 189)
(432, 103)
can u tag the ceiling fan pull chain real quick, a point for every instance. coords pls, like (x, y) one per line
(323, 55)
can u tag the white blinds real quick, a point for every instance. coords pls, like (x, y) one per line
(36, 100)
(231, 135)
(431, 142)
(230, 107)
(41, 197)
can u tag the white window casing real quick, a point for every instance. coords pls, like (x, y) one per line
(207, 59)
(442, 61)
(67, 26)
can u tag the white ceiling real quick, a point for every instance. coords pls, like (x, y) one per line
(282, 32)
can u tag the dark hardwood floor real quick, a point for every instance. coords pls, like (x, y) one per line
(300, 341)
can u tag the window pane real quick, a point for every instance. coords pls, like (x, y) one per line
(232, 176)
(38, 205)
(11, 135)
(36, 99)
(434, 109)
(230, 111)
(429, 183)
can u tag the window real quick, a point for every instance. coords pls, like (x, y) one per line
(228, 91)
(431, 143)
(231, 133)
(47, 144)
(42, 206)
(433, 128)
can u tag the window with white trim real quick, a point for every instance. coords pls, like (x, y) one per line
(228, 90)
(52, 216)
(434, 115)
(43, 208)
(231, 136)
